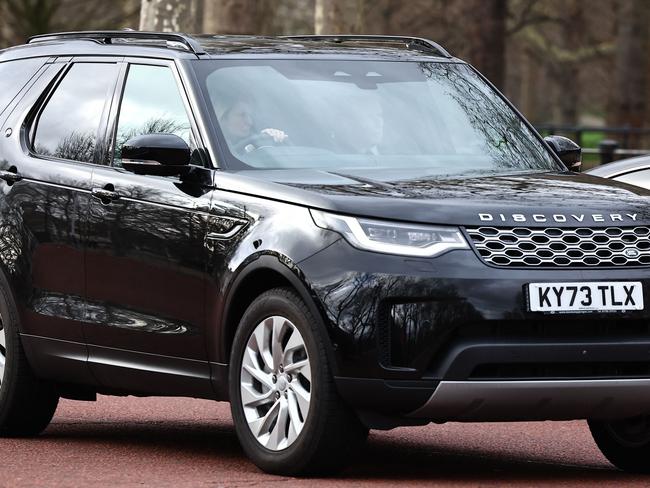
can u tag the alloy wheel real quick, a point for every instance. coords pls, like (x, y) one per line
(275, 383)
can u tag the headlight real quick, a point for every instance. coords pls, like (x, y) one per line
(392, 237)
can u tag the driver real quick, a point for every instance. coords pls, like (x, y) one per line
(238, 127)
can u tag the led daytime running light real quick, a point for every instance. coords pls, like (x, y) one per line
(392, 237)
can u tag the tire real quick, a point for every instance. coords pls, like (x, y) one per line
(27, 404)
(319, 442)
(625, 443)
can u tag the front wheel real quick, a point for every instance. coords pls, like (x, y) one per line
(625, 443)
(287, 412)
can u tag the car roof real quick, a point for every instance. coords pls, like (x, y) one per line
(399, 46)
(178, 45)
(623, 166)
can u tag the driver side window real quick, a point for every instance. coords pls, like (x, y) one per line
(151, 104)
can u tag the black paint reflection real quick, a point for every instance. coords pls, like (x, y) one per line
(147, 258)
(42, 245)
(118, 316)
(76, 308)
(418, 329)
(12, 241)
(368, 313)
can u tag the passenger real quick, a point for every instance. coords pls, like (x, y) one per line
(363, 131)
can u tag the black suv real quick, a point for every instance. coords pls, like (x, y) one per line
(334, 233)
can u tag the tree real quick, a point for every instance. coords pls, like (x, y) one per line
(337, 16)
(236, 16)
(630, 103)
(486, 36)
(171, 15)
(20, 19)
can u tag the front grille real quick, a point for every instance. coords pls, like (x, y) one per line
(562, 247)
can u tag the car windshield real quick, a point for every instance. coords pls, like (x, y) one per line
(335, 115)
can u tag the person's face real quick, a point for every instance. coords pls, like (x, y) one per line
(238, 122)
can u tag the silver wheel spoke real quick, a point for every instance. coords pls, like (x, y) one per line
(293, 344)
(278, 435)
(250, 398)
(262, 340)
(260, 376)
(294, 415)
(300, 367)
(275, 383)
(303, 397)
(260, 427)
(276, 342)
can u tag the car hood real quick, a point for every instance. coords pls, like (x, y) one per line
(561, 199)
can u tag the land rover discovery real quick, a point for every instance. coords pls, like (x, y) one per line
(333, 233)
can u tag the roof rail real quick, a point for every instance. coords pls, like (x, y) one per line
(106, 37)
(408, 41)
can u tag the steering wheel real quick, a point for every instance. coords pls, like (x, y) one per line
(255, 142)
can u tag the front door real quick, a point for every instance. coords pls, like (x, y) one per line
(146, 258)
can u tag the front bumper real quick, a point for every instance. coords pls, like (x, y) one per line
(450, 338)
(490, 401)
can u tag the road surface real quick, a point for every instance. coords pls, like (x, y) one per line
(186, 442)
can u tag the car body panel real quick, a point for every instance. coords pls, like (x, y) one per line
(448, 199)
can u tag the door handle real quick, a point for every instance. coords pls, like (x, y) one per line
(106, 194)
(10, 176)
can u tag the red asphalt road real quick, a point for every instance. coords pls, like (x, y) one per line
(184, 442)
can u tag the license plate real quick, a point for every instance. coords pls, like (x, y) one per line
(594, 296)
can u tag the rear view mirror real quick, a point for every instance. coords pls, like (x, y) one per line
(156, 154)
(567, 150)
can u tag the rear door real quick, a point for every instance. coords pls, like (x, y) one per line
(53, 139)
(146, 260)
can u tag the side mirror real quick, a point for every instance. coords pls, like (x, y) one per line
(568, 151)
(156, 154)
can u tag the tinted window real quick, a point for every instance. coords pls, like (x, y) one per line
(638, 178)
(437, 118)
(68, 125)
(13, 76)
(151, 104)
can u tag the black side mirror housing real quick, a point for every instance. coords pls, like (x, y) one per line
(567, 150)
(156, 154)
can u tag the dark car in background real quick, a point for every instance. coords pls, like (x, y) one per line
(333, 233)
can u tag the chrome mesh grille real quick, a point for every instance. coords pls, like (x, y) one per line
(562, 247)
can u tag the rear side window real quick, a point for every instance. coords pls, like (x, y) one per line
(13, 77)
(68, 125)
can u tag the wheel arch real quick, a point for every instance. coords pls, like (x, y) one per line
(263, 274)
(11, 287)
